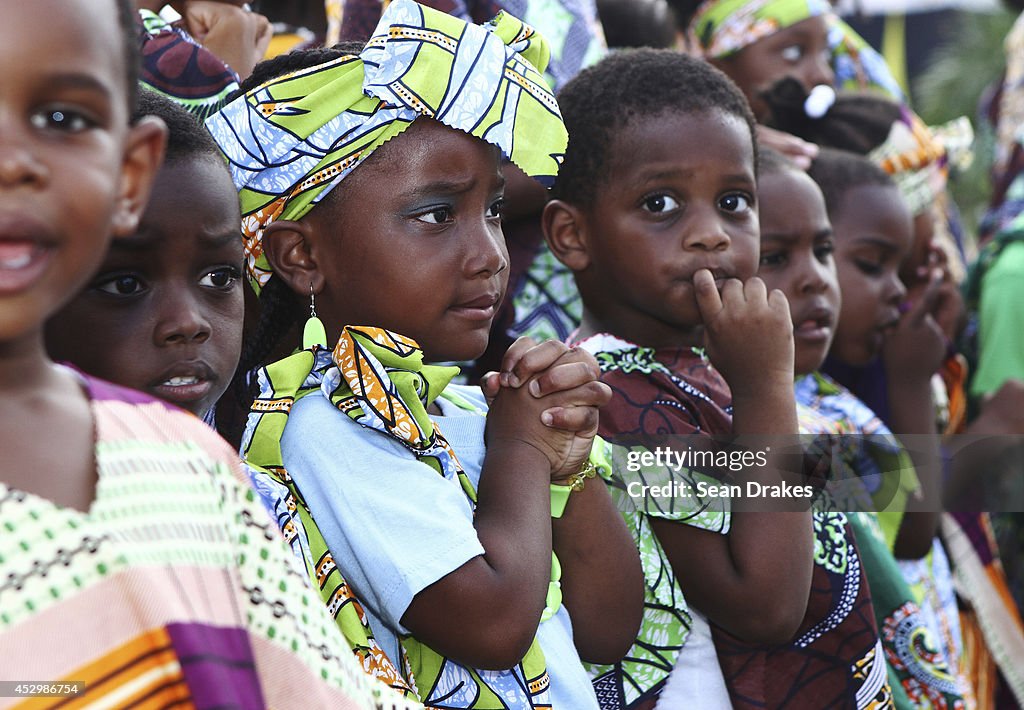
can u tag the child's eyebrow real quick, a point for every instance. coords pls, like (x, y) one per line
(877, 242)
(448, 187)
(221, 239)
(79, 81)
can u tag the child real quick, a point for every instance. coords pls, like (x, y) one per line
(136, 567)
(164, 313)
(656, 216)
(872, 228)
(366, 188)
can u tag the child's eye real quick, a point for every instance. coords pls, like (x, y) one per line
(792, 53)
(824, 251)
(222, 278)
(776, 258)
(61, 120)
(494, 211)
(121, 286)
(439, 215)
(660, 203)
(734, 203)
(869, 268)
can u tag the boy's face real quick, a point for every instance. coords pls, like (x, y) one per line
(164, 314)
(873, 230)
(796, 258)
(415, 244)
(72, 171)
(800, 51)
(680, 197)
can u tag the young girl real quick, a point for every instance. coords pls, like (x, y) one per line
(164, 313)
(872, 230)
(136, 569)
(657, 218)
(371, 185)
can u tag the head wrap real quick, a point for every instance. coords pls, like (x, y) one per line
(918, 157)
(293, 139)
(724, 27)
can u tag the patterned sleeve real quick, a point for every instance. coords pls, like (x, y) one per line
(299, 651)
(175, 65)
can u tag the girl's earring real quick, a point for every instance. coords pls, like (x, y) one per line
(313, 334)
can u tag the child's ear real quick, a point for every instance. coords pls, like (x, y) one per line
(565, 231)
(143, 156)
(288, 247)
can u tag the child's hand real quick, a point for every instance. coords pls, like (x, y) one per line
(916, 348)
(238, 37)
(949, 309)
(555, 410)
(525, 358)
(748, 333)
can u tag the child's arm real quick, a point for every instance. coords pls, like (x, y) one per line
(497, 598)
(755, 581)
(602, 580)
(913, 353)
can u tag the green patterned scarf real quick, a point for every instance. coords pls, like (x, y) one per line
(724, 27)
(290, 141)
(378, 379)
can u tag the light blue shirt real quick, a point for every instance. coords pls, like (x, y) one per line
(395, 526)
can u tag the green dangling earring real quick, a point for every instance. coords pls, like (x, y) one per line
(313, 333)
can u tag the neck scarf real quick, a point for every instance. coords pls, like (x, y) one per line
(377, 378)
(291, 141)
(723, 27)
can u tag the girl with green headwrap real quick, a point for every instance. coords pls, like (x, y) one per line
(370, 184)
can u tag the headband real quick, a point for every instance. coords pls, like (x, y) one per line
(290, 141)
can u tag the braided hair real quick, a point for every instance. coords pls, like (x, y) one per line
(280, 309)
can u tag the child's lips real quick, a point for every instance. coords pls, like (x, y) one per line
(479, 308)
(185, 383)
(22, 262)
(815, 325)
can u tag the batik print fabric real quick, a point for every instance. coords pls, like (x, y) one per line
(571, 26)
(920, 674)
(378, 379)
(835, 658)
(292, 140)
(173, 589)
(723, 27)
(175, 65)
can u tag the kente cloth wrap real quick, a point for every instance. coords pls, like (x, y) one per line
(723, 27)
(920, 674)
(175, 65)
(835, 660)
(377, 378)
(572, 27)
(173, 589)
(290, 141)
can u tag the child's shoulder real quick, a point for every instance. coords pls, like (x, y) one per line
(125, 415)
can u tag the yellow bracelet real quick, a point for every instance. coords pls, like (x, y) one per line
(560, 491)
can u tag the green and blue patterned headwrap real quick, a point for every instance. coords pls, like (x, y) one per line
(290, 141)
(724, 27)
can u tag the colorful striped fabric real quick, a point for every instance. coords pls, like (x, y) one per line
(173, 589)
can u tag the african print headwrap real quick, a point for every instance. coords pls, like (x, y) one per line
(290, 141)
(377, 378)
(918, 157)
(724, 27)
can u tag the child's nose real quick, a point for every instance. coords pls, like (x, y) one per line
(706, 233)
(487, 255)
(181, 321)
(817, 70)
(895, 290)
(18, 165)
(814, 277)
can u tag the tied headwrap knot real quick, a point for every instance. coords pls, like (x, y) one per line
(293, 139)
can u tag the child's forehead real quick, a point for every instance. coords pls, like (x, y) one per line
(63, 35)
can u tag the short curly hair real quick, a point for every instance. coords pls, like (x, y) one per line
(839, 171)
(624, 87)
